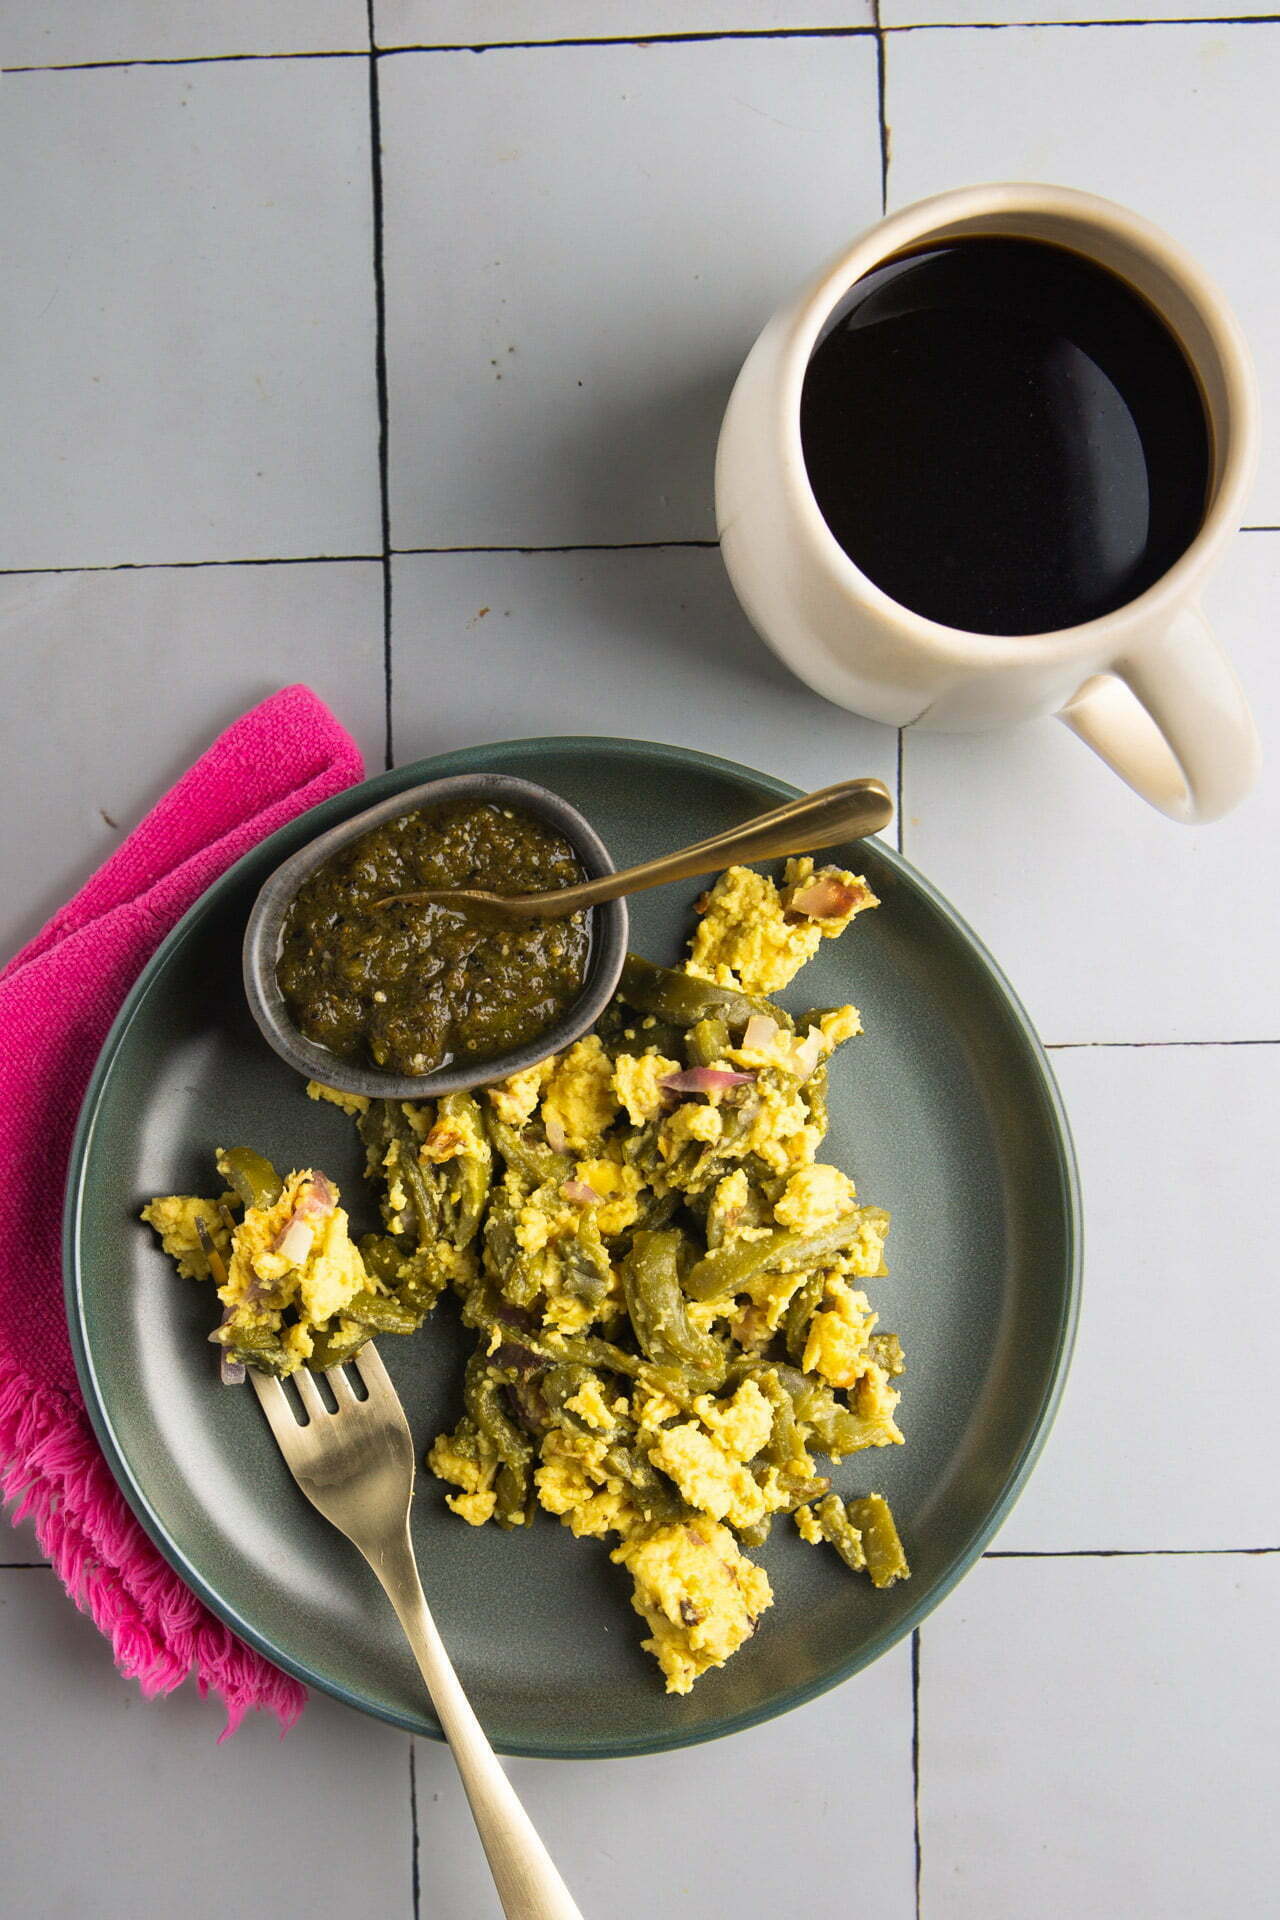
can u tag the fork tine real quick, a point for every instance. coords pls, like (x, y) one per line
(273, 1401)
(309, 1393)
(340, 1387)
(368, 1364)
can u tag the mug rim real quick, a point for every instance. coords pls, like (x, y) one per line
(935, 215)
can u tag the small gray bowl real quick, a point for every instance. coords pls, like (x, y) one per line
(266, 924)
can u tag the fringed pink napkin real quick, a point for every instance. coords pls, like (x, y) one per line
(58, 998)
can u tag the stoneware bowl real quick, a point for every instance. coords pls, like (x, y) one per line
(267, 917)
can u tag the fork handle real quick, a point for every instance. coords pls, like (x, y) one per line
(528, 1884)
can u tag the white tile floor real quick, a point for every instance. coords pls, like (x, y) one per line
(191, 317)
(187, 309)
(575, 394)
(1097, 1737)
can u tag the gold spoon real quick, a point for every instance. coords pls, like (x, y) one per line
(847, 811)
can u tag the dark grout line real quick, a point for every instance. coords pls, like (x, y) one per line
(1132, 1553)
(649, 40)
(629, 40)
(413, 1825)
(880, 107)
(350, 559)
(26, 1566)
(161, 566)
(581, 546)
(380, 309)
(902, 820)
(1024, 26)
(915, 1755)
(816, 33)
(188, 60)
(1070, 1046)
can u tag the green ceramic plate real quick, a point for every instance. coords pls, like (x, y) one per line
(945, 1112)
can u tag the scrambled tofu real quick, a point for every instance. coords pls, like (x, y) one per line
(680, 1464)
(515, 1098)
(617, 1189)
(708, 1472)
(578, 1100)
(756, 936)
(838, 1342)
(698, 1594)
(816, 1196)
(662, 1275)
(637, 1082)
(174, 1217)
(297, 1253)
(352, 1103)
(285, 1270)
(295, 1288)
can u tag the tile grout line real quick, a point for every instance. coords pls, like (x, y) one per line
(915, 1758)
(351, 559)
(158, 566)
(885, 144)
(694, 37)
(645, 40)
(881, 92)
(1073, 1046)
(1135, 20)
(380, 351)
(573, 546)
(454, 46)
(413, 1825)
(994, 1553)
(190, 60)
(814, 33)
(1129, 1553)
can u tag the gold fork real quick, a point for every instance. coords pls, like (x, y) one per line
(356, 1467)
(848, 811)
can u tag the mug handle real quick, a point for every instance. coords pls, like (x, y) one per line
(1172, 720)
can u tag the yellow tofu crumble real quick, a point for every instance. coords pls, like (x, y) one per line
(662, 1275)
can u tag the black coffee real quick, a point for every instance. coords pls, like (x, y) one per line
(1005, 437)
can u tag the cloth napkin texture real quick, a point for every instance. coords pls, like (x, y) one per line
(58, 998)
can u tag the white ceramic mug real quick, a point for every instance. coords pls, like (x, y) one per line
(1147, 687)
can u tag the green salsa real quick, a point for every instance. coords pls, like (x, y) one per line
(412, 987)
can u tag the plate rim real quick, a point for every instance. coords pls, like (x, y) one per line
(376, 787)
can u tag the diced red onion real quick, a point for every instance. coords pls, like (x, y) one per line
(760, 1031)
(580, 1193)
(317, 1199)
(824, 897)
(704, 1080)
(808, 1053)
(296, 1242)
(231, 1371)
(556, 1138)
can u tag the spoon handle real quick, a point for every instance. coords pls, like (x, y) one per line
(848, 811)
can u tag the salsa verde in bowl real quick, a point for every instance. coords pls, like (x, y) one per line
(397, 1000)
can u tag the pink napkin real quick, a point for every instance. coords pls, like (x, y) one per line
(58, 998)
